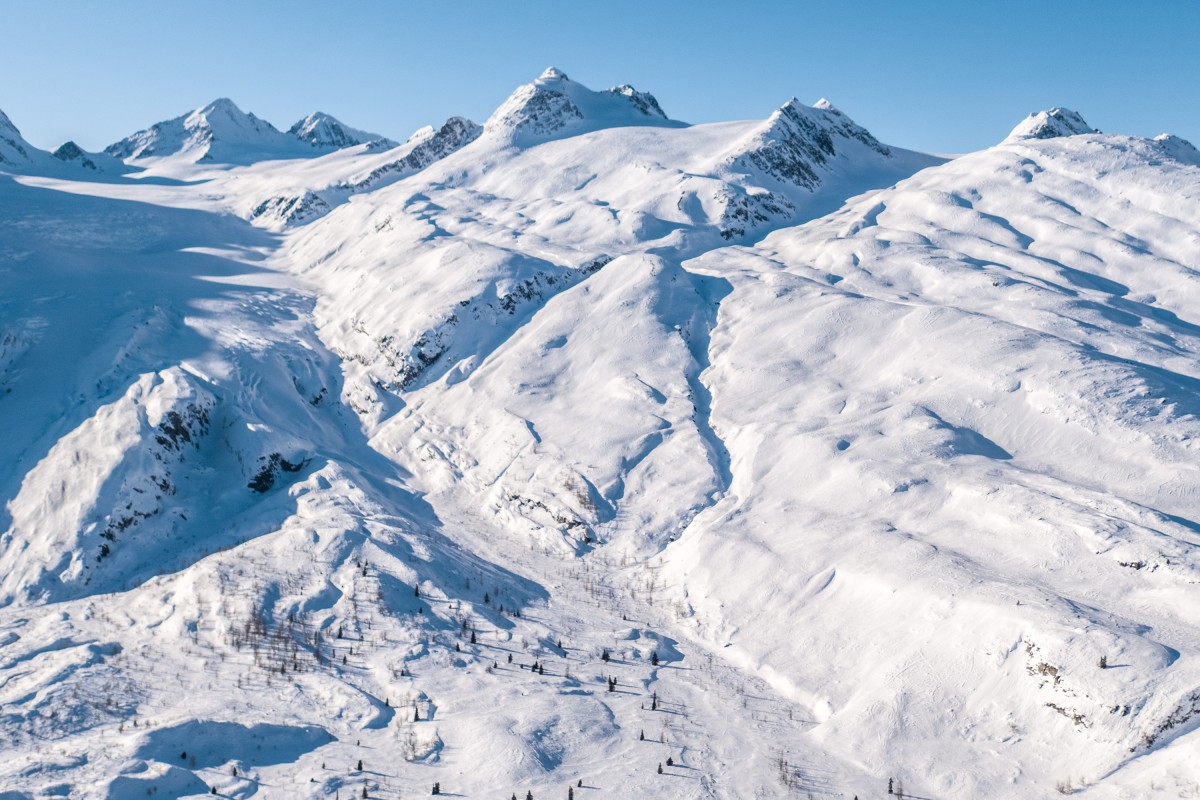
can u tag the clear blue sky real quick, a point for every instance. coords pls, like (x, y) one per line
(936, 76)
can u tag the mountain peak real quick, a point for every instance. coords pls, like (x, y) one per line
(1178, 148)
(323, 130)
(223, 104)
(13, 147)
(552, 74)
(553, 106)
(797, 142)
(1051, 124)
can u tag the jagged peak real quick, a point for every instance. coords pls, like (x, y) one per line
(1051, 124)
(320, 129)
(797, 142)
(553, 105)
(68, 150)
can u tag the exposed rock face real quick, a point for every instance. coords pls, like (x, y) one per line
(455, 133)
(71, 152)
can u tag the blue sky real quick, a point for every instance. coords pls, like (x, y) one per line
(938, 76)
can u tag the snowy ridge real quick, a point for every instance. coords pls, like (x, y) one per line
(590, 449)
(14, 150)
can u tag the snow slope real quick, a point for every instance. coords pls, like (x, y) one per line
(847, 463)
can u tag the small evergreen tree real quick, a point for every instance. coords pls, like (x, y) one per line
(360, 765)
(660, 768)
(416, 714)
(604, 656)
(641, 736)
(654, 658)
(670, 761)
(472, 637)
(1103, 662)
(437, 788)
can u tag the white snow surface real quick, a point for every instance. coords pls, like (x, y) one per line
(847, 463)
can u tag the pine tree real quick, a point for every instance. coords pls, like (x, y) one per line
(472, 637)
(1103, 662)
(654, 658)
(670, 761)
(437, 788)
(660, 768)
(641, 736)
(360, 765)
(416, 715)
(604, 656)
(364, 794)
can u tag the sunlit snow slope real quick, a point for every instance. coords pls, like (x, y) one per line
(585, 450)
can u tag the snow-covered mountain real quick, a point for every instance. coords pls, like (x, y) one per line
(586, 451)
(14, 150)
(324, 131)
(221, 133)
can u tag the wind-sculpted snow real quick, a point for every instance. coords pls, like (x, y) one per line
(591, 449)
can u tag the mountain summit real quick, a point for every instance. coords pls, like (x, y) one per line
(1050, 125)
(553, 106)
(323, 130)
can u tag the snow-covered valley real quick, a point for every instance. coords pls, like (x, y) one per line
(334, 466)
